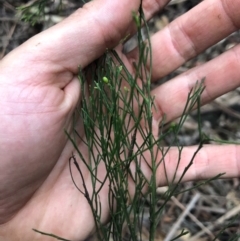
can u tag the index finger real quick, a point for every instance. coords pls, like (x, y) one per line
(86, 34)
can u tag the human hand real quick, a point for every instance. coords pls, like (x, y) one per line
(39, 91)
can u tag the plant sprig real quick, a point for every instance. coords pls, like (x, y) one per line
(116, 106)
(116, 110)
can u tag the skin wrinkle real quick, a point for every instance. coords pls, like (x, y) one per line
(236, 167)
(171, 161)
(161, 101)
(100, 28)
(166, 170)
(236, 162)
(69, 98)
(109, 39)
(153, 5)
(225, 7)
(237, 159)
(37, 60)
(185, 55)
(36, 106)
(158, 112)
(236, 54)
(201, 175)
(60, 70)
(192, 82)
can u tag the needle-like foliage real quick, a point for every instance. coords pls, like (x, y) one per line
(116, 112)
(116, 109)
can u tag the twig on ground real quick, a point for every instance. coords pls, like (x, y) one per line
(194, 219)
(9, 36)
(219, 221)
(176, 2)
(181, 218)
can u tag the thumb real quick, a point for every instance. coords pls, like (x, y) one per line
(83, 36)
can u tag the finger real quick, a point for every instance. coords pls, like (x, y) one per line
(80, 38)
(85, 35)
(190, 34)
(209, 161)
(222, 75)
(150, 7)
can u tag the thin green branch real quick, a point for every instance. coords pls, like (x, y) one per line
(50, 235)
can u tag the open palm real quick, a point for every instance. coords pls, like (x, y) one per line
(39, 92)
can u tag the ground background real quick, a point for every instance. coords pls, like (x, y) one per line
(216, 203)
